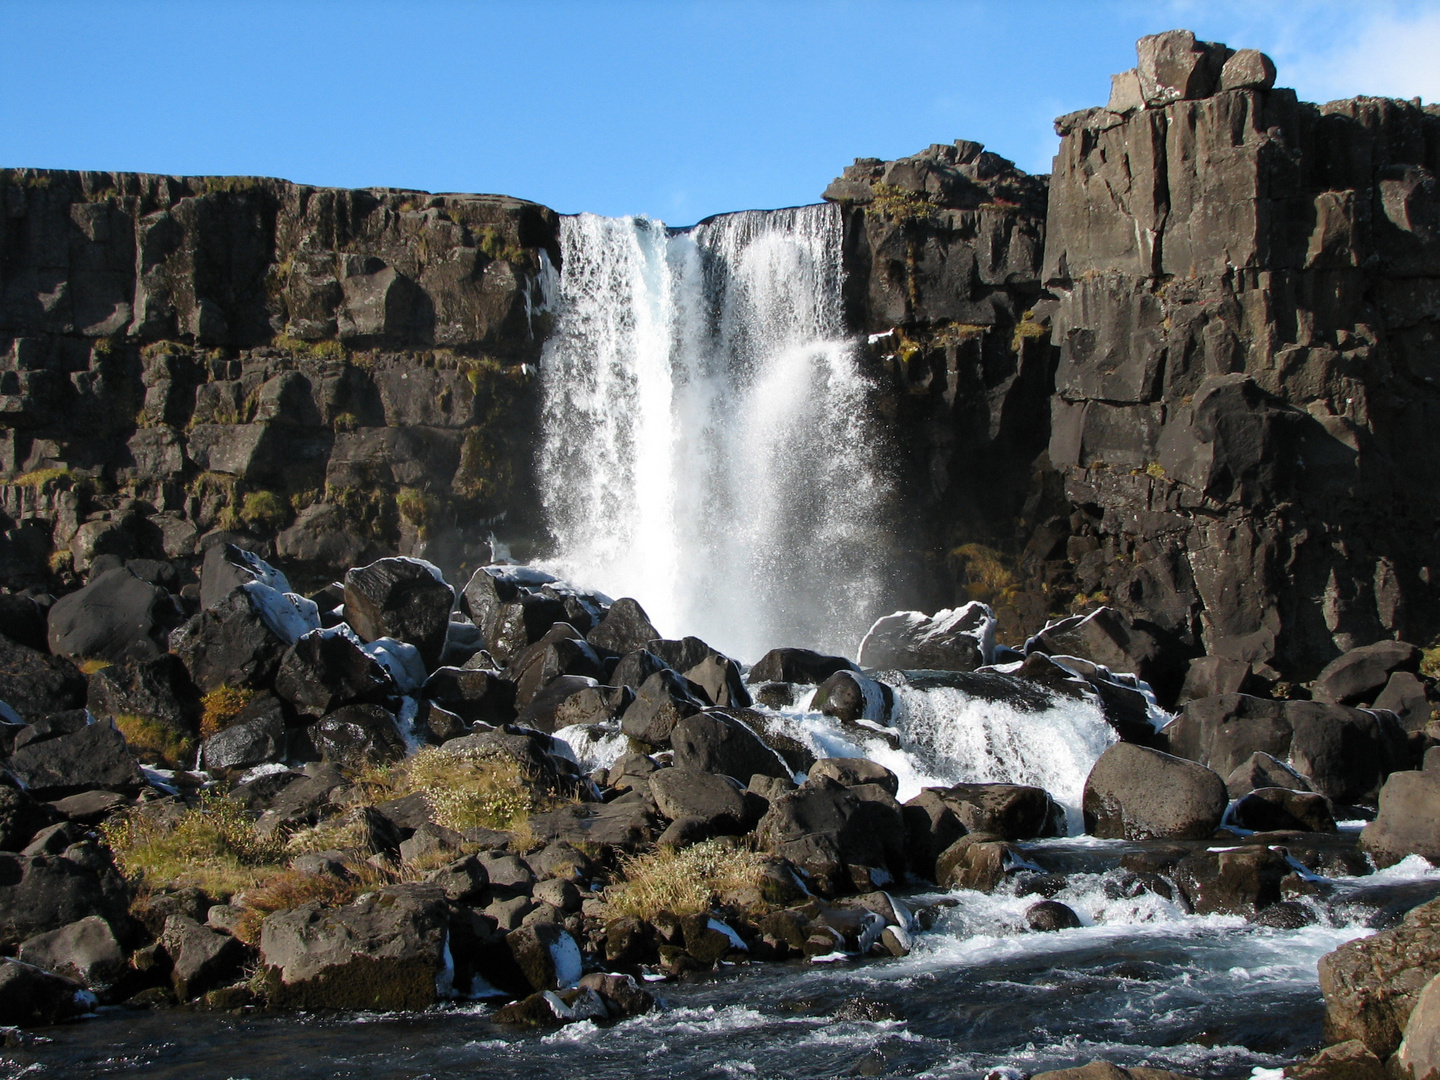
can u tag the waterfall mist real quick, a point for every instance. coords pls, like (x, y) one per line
(708, 447)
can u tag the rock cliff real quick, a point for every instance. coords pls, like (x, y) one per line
(1242, 294)
(337, 372)
(1190, 375)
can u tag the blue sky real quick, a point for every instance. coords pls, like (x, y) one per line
(677, 109)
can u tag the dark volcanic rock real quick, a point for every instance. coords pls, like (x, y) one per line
(848, 695)
(1136, 793)
(36, 685)
(624, 628)
(664, 700)
(1051, 915)
(400, 598)
(325, 669)
(358, 736)
(93, 756)
(46, 892)
(29, 996)
(1408, 822)
(1360, 674)
(229, 644)
(1272, 809)
(719, 742)
(838, 839)
(116, 616)
(797, 666)
(959, 640)
(158, 688)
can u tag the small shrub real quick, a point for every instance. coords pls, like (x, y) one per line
(685, 882)
(470, 790)
(345, 421)
(264, 508)
(1430, 661)
(212, 846)
(418, 509)
(1027, 329)
(219, 708)
(985, 573)
(61, 562)
(309, 350)
(235, 185)
(91, 666)
(495, 245)
(152, 739)
(899, 204)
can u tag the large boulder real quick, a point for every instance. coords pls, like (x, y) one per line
(1261, 770)
(1104, 1070)
(720, 802)
(385, 950)
(560, 651)
(472, 695)
(839, 839)
(959, 639)
(546, 955)
(977, 861)
(226, 567)
(663, 701)
(1104, 636)
(509, 617)
(1173, 66)
(1372, 984)
(797, 666)
(40, 893)
(200, 958)
(117, 616)
(719, 742)
(326, 669)
(1225, 730)
(246, 742)
(29, 996)
(86, 951)
(1359, 675)
(158, 688)
(624, 628)
(1419, 1055)
(850, 696)
(1009, 811)
(1240, 881)
(74, 756)
(35, 684)
(1272, 809)
(22, 621)
(358, 736)
(400, 598)
(1135, 793)
(229, 644)
(720, 678)
(1408, 822)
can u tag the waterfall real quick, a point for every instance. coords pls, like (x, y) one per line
(707, 446)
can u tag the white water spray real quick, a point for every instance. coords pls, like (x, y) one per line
(707, 448)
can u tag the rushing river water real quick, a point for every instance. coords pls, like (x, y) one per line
(1141, 982)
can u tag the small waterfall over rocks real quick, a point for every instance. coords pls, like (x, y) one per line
(707, 447)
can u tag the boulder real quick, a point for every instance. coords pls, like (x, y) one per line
(509, 617)
(22, 621)
(1104, 1070)
(720, 678)
(1009, 811)
(839, 840)
(46, 892)
(326, 669)
(663, 701)
(557, 702)
(1372, 984)
(474, 696)
(1135, 793)
(229, 644)
(86, 951)
(850, 696)
(35, 684)
(560, 651)
(1273, 809)
(959, 639)
(931, 826)
(851, 772)
(1408, 821)
(797, 666)
(1247, 69)
(1405, 695)
(1261, 770)
(635, 667)
(245, 743)
(201, 959)
(116, 616)
(719, 742)
(1419, 1055)
(30, 997)
(227, 566)
(546, 955)
(358, 736)
(1173, 66)
(1357, 676)
(1209, 676)
(87, 757)
(719, 801)
(21, 816)
(384, 951)
(624, 628)
(1049, 915)
(400, 598)
(158, 688)
(977, 861)
(682, 654)
(1104, 636)
(1241, 881)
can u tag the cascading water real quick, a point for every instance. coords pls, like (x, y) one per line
(706, 442)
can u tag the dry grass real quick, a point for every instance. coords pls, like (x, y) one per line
(211, 846)
(264, 508)
(220, 707)
(685, 882)
(292, 888)
(984, 572)
(90, 667)
(469, 790)
(1430, 661)
(149, 738)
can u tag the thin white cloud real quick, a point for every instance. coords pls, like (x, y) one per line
(1390, 56)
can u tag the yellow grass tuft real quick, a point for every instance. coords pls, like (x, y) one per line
(684, 882)
(220, 707)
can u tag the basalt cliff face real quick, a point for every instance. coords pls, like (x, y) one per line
(1190, 375)
(1229, 424)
